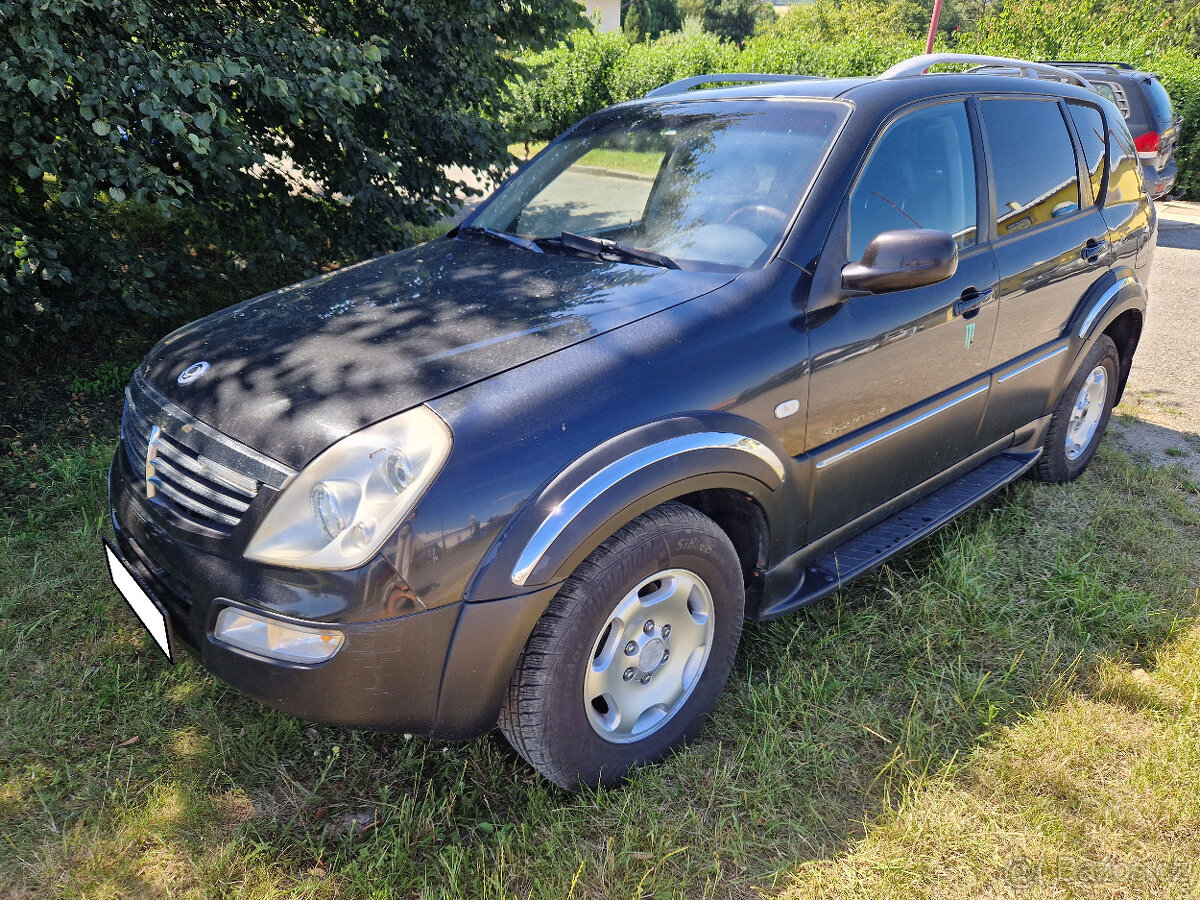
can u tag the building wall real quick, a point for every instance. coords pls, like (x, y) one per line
(609, 12)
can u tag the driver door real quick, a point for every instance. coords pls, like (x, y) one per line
(899, 379)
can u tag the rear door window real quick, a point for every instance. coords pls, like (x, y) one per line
(921, 174)
(1033, 163)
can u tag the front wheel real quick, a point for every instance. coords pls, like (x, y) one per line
(632, 653)
(1081, 415)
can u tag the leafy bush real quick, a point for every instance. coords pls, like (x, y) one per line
(833, 21)
(286, 130)
(796, 54)
(1078, 29)
(736, 20)
(565, 84)
(643, 67)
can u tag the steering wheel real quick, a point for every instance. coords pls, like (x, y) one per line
(760, 211)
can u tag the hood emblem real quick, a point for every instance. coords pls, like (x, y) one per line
(192, 372)
(151, 455)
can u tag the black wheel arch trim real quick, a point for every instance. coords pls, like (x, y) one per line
(1118, 292)
(1111, 295)
(572, 513)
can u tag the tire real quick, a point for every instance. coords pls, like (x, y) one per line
(630, 657)
(1081, 415)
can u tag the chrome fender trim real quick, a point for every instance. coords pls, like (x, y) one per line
(617, 471)
(1098, 306)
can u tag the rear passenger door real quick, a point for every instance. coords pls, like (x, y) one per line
(1051, 245)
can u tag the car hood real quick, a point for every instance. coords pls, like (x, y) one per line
(292, 371)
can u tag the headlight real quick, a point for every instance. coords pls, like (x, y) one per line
(340, 509)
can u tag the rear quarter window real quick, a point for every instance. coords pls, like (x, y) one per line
(1089, 125)
(1125, 171)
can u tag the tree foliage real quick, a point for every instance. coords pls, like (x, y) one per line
(273, 128)
(736, 20)
(565, 84)
(647, 19)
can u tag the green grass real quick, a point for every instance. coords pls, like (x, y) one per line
(106, 378)
(1011, 707)
(629, 162)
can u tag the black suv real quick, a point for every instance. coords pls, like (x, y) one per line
(1146, 106)
(709, 356)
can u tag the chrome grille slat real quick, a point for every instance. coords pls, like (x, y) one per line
(205, 478)
(163, 465)
(206, 468)
(182, 499)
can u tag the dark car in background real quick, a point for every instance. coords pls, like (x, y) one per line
(1146, 106)
(709, 356)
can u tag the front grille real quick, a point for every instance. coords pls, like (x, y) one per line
(205, 479)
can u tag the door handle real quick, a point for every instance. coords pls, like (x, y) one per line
(1092, 250)
(968, 304)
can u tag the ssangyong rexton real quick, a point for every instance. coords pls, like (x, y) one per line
(709, 356)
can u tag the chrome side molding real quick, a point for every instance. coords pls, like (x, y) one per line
(1029, 365)
(872, 441)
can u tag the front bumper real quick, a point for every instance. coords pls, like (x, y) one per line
(440, 672)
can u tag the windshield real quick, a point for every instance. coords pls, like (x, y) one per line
(708, 183)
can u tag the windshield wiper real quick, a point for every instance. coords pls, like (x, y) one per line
(603, 248)
(521, 242)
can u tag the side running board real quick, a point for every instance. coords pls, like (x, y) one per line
(900, 531)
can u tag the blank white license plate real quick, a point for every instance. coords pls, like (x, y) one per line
(148, 612)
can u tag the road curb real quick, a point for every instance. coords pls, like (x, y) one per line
(1179, 211)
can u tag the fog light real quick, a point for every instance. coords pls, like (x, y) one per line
(268, 637)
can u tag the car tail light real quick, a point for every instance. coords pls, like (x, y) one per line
(1148, 144)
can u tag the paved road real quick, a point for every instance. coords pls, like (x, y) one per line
(1164, 384)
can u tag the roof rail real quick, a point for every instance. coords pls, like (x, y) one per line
(686, 84)
(919, 65)
(1097, 64)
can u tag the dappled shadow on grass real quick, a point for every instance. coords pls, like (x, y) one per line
(1097, 795)
(834, 717)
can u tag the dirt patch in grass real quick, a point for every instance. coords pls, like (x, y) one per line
(1157, 444)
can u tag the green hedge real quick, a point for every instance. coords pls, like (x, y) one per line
(643, 67)
(854, 56)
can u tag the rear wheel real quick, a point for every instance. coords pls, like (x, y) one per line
(632, 653)
(1081, 415)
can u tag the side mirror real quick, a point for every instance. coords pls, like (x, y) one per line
(897, 260)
